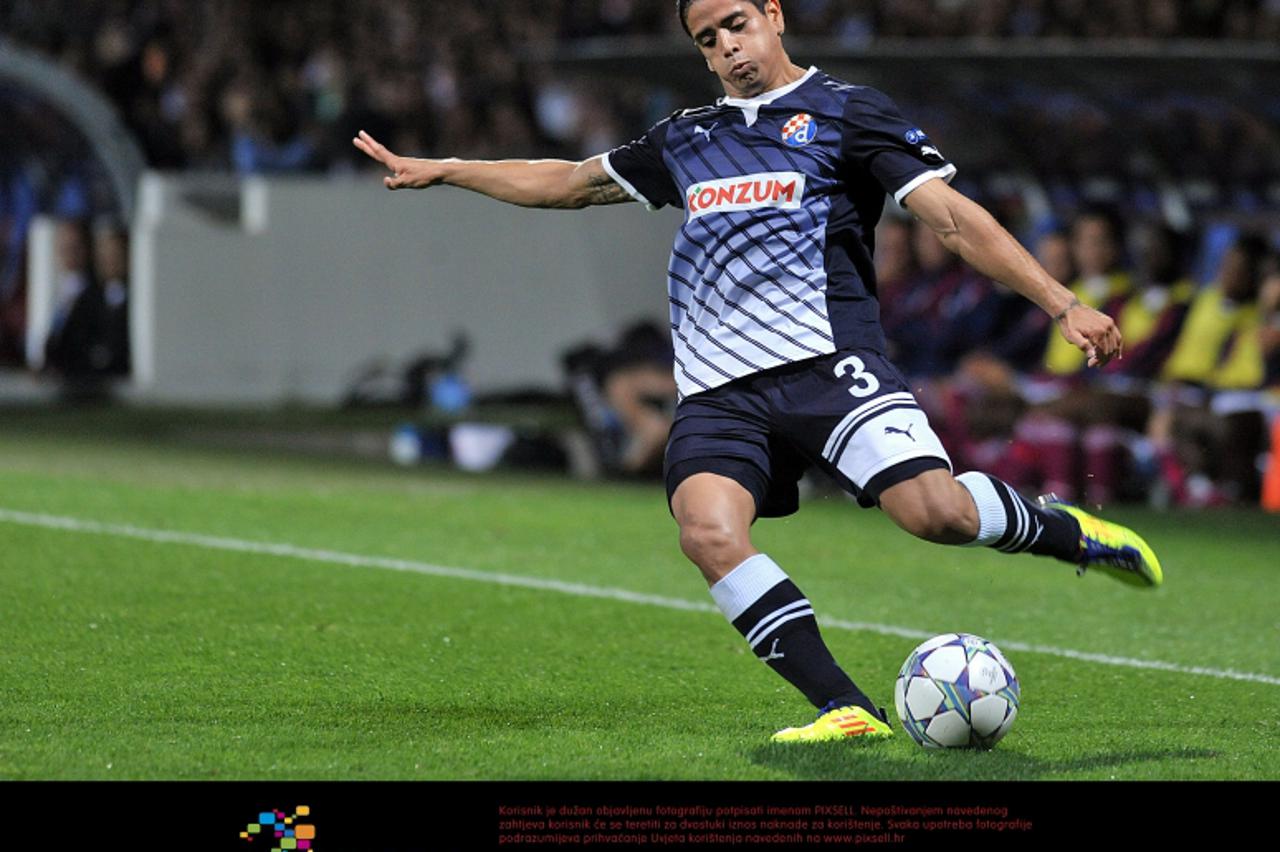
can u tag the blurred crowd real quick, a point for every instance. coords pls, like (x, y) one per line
(1068, 19)
(266, 87)
(1180, 419)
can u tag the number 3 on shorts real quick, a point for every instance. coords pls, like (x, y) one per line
(864, 383)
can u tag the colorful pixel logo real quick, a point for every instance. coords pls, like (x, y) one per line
(287, 831)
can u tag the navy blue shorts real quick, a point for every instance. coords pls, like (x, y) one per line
(851, 414)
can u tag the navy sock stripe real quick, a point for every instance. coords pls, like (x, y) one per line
(803, 616)
(1010, 513)
(1031, 529)
(779, 596)
(766, 625)
(1019, 541)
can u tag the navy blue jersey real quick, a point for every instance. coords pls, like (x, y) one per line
(781, 193)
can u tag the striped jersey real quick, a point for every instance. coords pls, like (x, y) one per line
(781, 195)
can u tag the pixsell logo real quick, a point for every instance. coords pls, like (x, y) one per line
(284, 831)
(784, 190)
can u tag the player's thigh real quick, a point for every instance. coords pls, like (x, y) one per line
(854, 416)
(726, 432)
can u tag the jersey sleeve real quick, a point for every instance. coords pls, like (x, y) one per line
(883, 143)
(638, 168)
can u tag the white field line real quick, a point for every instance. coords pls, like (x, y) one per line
(357, 560)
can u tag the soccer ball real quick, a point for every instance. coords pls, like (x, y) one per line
(957, 691)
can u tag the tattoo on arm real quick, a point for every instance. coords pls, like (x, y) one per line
(602, 189)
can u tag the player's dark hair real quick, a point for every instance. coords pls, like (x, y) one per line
(682, 9)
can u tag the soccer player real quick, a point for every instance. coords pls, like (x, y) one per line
(779, 351)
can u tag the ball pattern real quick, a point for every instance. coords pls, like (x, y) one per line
(957, 690)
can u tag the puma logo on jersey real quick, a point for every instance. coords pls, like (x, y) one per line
(705, 131)
(894, 430)
(773, 653)
(783, 190)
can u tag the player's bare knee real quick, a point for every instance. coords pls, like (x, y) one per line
(713, 546)
(703, 541)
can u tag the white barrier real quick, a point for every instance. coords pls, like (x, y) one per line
(264, 291)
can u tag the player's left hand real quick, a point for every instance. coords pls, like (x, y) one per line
(406, 172)
(1093, 332)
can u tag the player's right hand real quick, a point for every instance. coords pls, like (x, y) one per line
(1093, 332)
(406, 172)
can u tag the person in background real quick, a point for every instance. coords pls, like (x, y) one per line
(1102, 282)
(1051, 429)
(1205, 426)
(626, 396)
(641, 388)
(1269, 340)
(1113, 411)
(111, 260)
(78, 307)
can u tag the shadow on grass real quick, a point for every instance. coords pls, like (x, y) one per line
(845, 761)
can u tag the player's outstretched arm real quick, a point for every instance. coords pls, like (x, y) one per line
(528, 183)
(967, 229)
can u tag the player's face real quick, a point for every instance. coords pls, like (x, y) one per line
(741, 44)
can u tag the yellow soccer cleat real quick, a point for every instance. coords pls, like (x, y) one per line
(837, 724)
(1114, 550)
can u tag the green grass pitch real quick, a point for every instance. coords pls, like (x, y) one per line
(127, 656)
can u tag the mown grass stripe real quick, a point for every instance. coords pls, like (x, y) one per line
(77, 525)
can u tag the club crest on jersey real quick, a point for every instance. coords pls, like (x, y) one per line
(799, 130)
(783, 190)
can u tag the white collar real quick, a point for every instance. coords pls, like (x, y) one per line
(751, 106)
